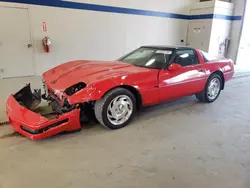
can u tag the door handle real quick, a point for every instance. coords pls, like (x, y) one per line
(29, 45)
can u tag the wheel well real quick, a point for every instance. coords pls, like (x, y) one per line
(222, 78)
(135, 92)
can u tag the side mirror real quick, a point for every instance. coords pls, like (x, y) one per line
(174, 66)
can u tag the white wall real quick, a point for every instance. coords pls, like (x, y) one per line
(214, 30)
(236, 28)
(201, 40)
(220, 28)
(220, 31)
(244, 45)
(98, 35)
(80, 34)
(174, 6)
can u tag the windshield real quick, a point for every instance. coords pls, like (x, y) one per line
(148, 58)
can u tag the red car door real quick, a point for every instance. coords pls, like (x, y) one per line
(185, 76)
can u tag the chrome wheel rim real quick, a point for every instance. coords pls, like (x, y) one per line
(213, 89)
(119, 110)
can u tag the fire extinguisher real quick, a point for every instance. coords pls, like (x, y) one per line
(46, 44)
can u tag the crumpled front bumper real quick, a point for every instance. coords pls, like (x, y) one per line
(36, 126)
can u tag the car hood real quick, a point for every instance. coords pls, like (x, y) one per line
(89, 72)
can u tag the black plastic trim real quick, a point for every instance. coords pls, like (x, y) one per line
(39, 131)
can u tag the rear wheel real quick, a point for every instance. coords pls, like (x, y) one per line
(116, 109)
(212, 89)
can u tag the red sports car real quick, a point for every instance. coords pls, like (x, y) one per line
(112, 92)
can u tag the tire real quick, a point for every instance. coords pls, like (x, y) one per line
(102, 108)
(204, 96)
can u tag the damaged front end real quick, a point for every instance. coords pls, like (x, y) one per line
(26, 98)
(25, 118)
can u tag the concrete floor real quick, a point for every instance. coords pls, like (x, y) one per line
(183, 144)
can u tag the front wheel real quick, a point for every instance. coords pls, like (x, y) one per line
(116, 109)
(212, 89)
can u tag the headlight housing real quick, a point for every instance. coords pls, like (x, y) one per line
(75, 88)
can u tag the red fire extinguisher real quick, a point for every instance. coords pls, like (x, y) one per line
(46, 44)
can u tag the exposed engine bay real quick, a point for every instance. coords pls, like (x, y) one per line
(28, 99)
(31, 100)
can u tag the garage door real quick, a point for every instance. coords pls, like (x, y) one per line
(16, 51)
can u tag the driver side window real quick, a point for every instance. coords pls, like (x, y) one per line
(186, 58)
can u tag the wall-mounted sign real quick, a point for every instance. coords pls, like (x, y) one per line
(197, 30)
(44, 27)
